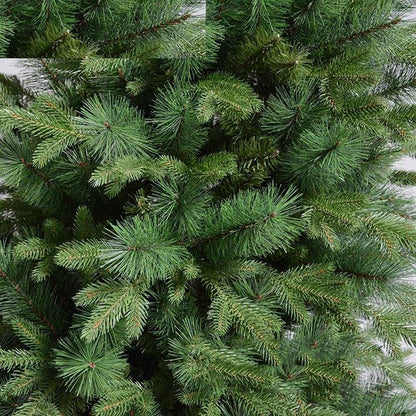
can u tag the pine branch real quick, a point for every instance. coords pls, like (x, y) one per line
(146, 31)
(404, 178)
(10, 359)
(53, 74)
(57, 137)
(250, 223)
(112, 302)
(260, 52)
(359, 35)
(79, 255)
(251, 320)
(27, 299)
(88, 369)
(30, 334)
(59, 36)
(127, 398)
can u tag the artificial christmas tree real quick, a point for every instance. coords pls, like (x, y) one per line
(201, 216)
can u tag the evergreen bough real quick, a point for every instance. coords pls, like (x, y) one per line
(202, 216)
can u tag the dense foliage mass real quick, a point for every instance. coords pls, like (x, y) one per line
(202, 216)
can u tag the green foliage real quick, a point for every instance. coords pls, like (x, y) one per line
(217, 362)
(330, 215)
(392, 232)
(88, 369)
(288, 112)
(32, 249)
(317, 285)
(176, 119)
(203, 215)
(6, 31)
(18, 358)
(142, 249)
(30, 335)
(181, 205)
(111, 127)
(403, 178)
(118, 173)
(111, 302)
(191, 48)
(251, 224)
(226, 97)
(51, 125)
(267, 14)
(323, 157)
(78, 255)
(128, 396)
(250, 319)
(39, 405)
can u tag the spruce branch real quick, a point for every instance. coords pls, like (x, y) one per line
(10, 359)
(112, 302)
(78, 255)
(128, 398)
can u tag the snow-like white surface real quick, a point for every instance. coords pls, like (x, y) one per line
(11, 66)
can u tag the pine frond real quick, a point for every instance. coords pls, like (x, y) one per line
(127, 396)
(56, 133)
(49, 42)
(111, 127)
(250, 319)
(38, 405)
(30, 334)
(195, 360)
(324, 156)
(54, 231)
(330, 215)
(115, 175)
(392, 232)
(226, 97)
(57, 11)
(214, 167)
(255, 52)
(317, 284)
(252, 403)
(251, 223)
(144, 248)
(43, 269)
(84, 224)
(181, 204)
(267, 14)
(191, 48)
(7, 27)
(19, 358)
(22, 383)
(288, 111)
(391, 326)
(291, 63)
(78, 255)
(88, 369)
(324, 411)
(33, 248)
(111, 302)
(405, 178)
(178, 129)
